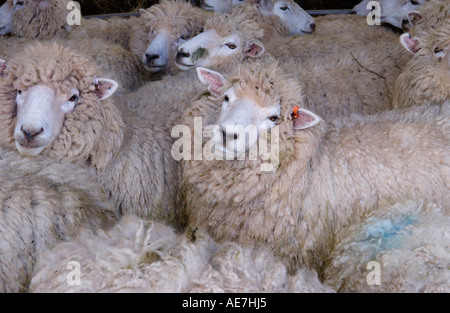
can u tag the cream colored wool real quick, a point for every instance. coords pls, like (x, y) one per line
(426, 77)
(43, 202)
(130, 155)
(177, 17)
(410, 241)
(328, 176)
(158, 97)
(138, 256)
(271, 25)
(117, 62)
(434, 13)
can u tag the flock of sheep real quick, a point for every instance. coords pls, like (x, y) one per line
(358, 114)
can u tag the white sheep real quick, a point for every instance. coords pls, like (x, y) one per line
(160, 30)
(429, 16)
(46, 20)
(63, 112)
(426, 76)
(145, 256)
(43, 202)
(276, 17)
(317, 178)
(401, 247)
(393, 12)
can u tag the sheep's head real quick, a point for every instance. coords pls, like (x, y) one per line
(393, 12)
(221, 6)
(254, 100)
(51, 99)
(428, 17)
(163, 28)
(226, 41)
(291, 15)
(7, 11)
(41, 19)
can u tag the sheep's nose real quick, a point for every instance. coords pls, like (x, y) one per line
(405, 24)
(30, 134)
(182, 54)
(313, 26)
(151, 57)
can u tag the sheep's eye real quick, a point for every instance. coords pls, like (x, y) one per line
(414, 2)
(226, 99)
(438, 52)
(73, 98)
(184, 37)
(231, 45)
(273, 118)
(19, 3)
(19, 92)
(202, 30)
(286, 8)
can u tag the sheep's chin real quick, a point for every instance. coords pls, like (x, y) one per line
(29, 151)
(184, 67)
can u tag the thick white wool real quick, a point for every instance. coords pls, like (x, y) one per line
(138, 256)
(410, 241)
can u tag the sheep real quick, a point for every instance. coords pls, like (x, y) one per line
(317, 178)
(146, 256)
(7, 11)
(276, 17)
(426, 76)
(429, 16)
(409, 241)
(63, 112)
(161, 29)
(393, 12)
(163, 100)
(46, 19)
(43, 202)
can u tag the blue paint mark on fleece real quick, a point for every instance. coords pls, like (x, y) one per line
(387, 233)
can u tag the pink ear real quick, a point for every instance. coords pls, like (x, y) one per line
(253, 49)
(303, 119)
(104, 88)
(214, 79)
(2, 67)
(410, 44)
(414, 17)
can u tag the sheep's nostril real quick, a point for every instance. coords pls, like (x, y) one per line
(31, 133)
(151, 57)
(182, 54)
(313, 26)
(235, 136)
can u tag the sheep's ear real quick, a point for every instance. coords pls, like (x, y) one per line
(214, 79)
(303, 119)
(253, 49)
(414, 17)
(410, 44)
(43, 4)
(2, 67)
(104, 88)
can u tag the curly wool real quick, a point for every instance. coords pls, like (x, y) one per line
(34, 23)
(271, 25)
(178, 17)
(326, 178)
(411, 242)
(131, 155)
(138, 256)
(434, 13)
(425, 77)
(43, 202)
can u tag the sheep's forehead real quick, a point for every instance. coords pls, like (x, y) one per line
(226, 24)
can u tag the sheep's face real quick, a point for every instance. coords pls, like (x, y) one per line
(7, 11)
(394, 12)
(210, 49)
(162, 47)
(41, 111)
(222, 6)
(291, 15)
